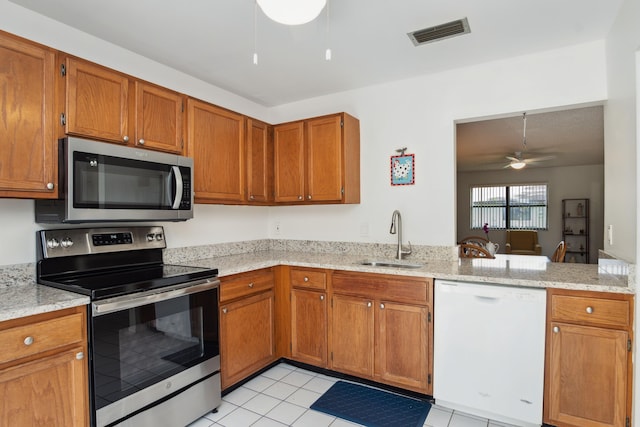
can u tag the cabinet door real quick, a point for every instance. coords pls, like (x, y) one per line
(352, 336)
(403, 337)
(289, 168)
(159, 118)
(27, 125)
(587, 376)
(309, 327)
(215, 140)
(96, 102)
(324, 159)
(51, 391)
(259, 162)
(246, 337)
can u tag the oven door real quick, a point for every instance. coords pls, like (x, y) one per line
(147, 347)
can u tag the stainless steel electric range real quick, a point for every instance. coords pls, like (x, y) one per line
(153, 329)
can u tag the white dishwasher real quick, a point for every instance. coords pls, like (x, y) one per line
(489, 350)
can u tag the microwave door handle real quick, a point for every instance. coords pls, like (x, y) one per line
(177, 175)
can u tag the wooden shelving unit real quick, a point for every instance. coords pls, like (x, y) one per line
(575, 229)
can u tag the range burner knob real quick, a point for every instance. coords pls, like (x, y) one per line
(159, 236)
(53, 243)
(150, 237)
(66, 242)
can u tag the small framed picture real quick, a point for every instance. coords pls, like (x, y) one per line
(403, 169)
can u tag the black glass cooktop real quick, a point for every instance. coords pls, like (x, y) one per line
(122, 281)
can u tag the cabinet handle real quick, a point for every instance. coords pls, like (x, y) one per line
(251, 285)
(381, 306)
(50, 186)
(141, 141)
(126, 138)
(28, 341)
(306, 279)
(556, 329)
(224, 310)
(308, 196)
(321, 297)
(80, 355)
(589, 310)
(252, 197)
(369, 304)
(300, 197)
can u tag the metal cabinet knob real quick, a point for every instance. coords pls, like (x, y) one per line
(306, 279)
(50, 186)
(252, 197)
(125, 138)
(589, 310)
(321, 297)
(381, 306)
(556, 329)
(369, 304)
(300, 197)
(251, 285)
(141, 141)
(28, 341)
(80, 355)
(308, 196)
(224, 310)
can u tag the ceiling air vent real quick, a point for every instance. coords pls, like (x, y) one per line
(440, 32)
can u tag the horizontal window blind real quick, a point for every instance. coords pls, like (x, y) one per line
(509, 206)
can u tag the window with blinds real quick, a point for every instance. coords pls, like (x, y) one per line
(509, 207)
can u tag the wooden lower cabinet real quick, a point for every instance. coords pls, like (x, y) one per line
(381, 329)
(247, 327)
(352, 340)
(44, 370)
(588, 380)
(309, 327)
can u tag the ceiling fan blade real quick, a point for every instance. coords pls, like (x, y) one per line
(539, 159)
(513, 159)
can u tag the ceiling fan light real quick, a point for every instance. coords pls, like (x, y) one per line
(517, 165)
(292, 12)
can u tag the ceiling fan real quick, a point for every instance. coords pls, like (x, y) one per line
(519, 161)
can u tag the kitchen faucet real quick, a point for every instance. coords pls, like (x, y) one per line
(396, 228)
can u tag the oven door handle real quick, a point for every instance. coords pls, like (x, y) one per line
(111, 305)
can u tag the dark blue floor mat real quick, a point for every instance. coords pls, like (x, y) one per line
(372, 407)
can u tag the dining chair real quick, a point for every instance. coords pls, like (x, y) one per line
(480, 241)
(472, 250)
(558, 254)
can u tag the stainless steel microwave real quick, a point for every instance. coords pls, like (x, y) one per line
(104, 182)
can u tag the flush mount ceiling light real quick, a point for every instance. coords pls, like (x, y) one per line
(292, 12)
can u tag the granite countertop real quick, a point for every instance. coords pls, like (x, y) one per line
(20, 295)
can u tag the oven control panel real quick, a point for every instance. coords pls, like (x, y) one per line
(86, 241)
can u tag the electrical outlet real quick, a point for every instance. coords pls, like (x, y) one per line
(610, 234)
(277, 228)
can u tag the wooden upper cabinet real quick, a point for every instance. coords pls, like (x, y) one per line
(324, 159)
(107, 105)
(28, 167)
(159, 118)
(259, 162)
(216, 141)
(289, 163)
(97, 102)
(318, 160)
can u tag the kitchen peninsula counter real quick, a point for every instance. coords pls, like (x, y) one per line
(20, 295)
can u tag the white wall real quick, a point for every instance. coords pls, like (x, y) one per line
(563, 183)
(420, 114)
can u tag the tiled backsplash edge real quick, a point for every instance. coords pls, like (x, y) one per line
(185, 254)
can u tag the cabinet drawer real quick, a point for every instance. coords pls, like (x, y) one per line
(383, 287)
(308, 279)
(38, 337)
(597, 311)
(245, 284)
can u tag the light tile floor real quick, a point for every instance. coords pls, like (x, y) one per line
(282, 395)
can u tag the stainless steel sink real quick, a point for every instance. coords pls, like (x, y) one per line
(389, 263)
